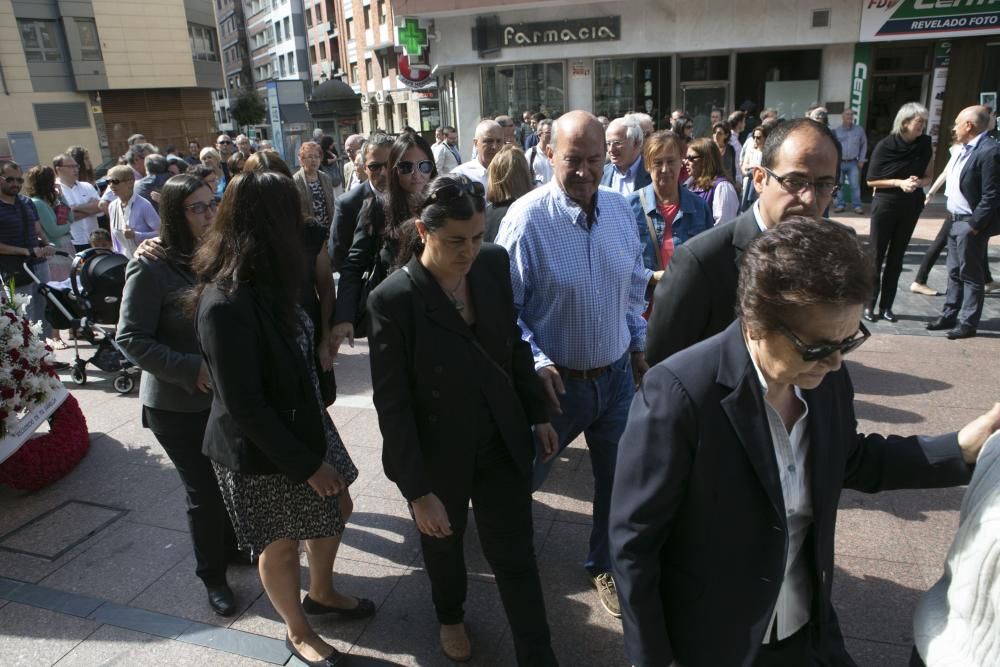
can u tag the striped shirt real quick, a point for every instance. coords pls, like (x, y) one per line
(580, 292)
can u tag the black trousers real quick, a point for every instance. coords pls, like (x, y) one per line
(501, 501)
(181, 435)
(934, 251)
(892, 223)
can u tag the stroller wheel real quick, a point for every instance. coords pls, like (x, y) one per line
(124, 384)
(79, 375)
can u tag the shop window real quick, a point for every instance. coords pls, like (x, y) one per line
(90, 44)
(42, 41)
(510, 89)
(756, 69)
(614, 87)
(705, 68)
(894, 58)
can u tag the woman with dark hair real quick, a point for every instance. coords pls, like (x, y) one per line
(206, 175)
(157, 333)
(457, 397)
(81, 156)
(330, 164)
(509, 178)
(55, 216)
(709, 181)
(281, 465)
(899, 169)
(734, 459)
(751, 157)
(683, 129)
(235, 163)
(721, 132)
(375, 246)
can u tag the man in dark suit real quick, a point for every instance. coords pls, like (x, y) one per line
(973, 193)
(625, 172)
(695, 298)
(347, 206)
(732, 464)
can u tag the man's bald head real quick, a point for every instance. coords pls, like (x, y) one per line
(488, 141)
(577, 155)
(971, 122)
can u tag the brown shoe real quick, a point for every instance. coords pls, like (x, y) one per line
(455, 643)
(921, 288)
(607, 594)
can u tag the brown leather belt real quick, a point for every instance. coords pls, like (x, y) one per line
(572, 374)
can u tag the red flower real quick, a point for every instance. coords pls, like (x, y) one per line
(18, 374)
(14, 355)
(7, 393)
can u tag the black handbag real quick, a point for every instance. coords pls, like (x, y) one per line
(12, 266)
(370, 279)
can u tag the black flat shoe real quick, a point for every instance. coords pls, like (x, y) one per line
(332, 660)
(940, 324)
(870, 315)
(364, 609)
(221, 599)
(888, 316)
(961, 331)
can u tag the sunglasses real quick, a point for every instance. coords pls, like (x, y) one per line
(823, 350)
(690, 158)
(375, 166)
(223, 143)
(200, 208)
(118, 181)
(407, 167)
(453, 191)
(13, 179)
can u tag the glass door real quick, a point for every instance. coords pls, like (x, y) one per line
(699, 100)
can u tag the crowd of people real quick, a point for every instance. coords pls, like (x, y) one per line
(680, 302)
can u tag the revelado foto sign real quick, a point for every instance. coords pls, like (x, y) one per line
(889, 20)
(601, 29)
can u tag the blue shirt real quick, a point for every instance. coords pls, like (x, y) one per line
(957, 204)
(580, 293)
(853, 142)
(12, 231)
(693, 217)
(624, 183)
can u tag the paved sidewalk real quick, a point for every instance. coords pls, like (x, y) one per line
(97, 569)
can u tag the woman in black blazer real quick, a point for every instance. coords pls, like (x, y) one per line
(282, 467)
(158, 335)
(457, 395)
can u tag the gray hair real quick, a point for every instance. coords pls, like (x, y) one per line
(633, 131)
(156, 164)
(136, 138)
(907, 112)
(377, 140)
(640, 118)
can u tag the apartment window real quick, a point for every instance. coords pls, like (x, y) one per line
(354, 72)
(281, 65)
(90, 44)
(42, 41)
(350, 28)
(322, 50)
(309, 17)
(291, 63)
(277, 31)
(368, 69)
(318, 12)
(367, 15)
(203, 45)
(383, 64)
(288, 28)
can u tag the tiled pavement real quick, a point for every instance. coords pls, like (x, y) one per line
(97, 569)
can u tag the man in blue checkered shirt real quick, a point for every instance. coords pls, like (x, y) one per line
(580, 288)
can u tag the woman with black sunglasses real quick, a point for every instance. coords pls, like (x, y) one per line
(734, 458)
(377, 237)
(457, 399)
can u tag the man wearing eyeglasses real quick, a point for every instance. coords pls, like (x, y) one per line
(488, 142)
(82, 198)
(347, 207)
(625, 173)
(695, 299)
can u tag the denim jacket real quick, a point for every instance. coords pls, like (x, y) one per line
(693, 218)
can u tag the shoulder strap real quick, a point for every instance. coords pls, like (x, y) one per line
(652, 229)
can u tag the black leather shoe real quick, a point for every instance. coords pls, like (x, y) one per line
(332, 660)
(961, 331)
(221, 599)
(888, 316)
(363, 609)
(940, 324)
(870, 315)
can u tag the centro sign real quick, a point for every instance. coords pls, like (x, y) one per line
(861, 82)
(883, 20)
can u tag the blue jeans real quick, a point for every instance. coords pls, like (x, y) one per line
(853, 174)
(597, 408)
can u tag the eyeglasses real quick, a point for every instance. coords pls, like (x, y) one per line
(615, 144)
(200, 207)
(452, 191)
(823, 350)
(118, 181)
(223, 143)
(690, 158)
(406, 167)
(795, 185)
(375, 166)
(13, 179)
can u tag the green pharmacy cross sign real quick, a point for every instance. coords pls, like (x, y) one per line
(412, 37)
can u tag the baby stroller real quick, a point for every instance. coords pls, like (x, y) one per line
(93, 298)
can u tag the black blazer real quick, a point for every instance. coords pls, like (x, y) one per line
(369, 243)
(265, 417)
(698, 527)
(697, 296)
(346, 209)
(426, 390)
(980, 185)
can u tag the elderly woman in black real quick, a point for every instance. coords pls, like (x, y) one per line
(282, 468)
(457, 395)
(734, 457)
(899, 169)
(158, 335)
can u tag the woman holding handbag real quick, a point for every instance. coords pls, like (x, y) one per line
(376, 239)
(457, 399)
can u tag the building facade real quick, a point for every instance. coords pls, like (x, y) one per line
(236, 66)
(611, 58)
(94, 72)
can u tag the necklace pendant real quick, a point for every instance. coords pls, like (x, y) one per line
(458, 303)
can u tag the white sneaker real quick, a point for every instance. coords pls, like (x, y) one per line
(608, 594)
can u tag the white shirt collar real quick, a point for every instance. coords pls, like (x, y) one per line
(756, 214)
